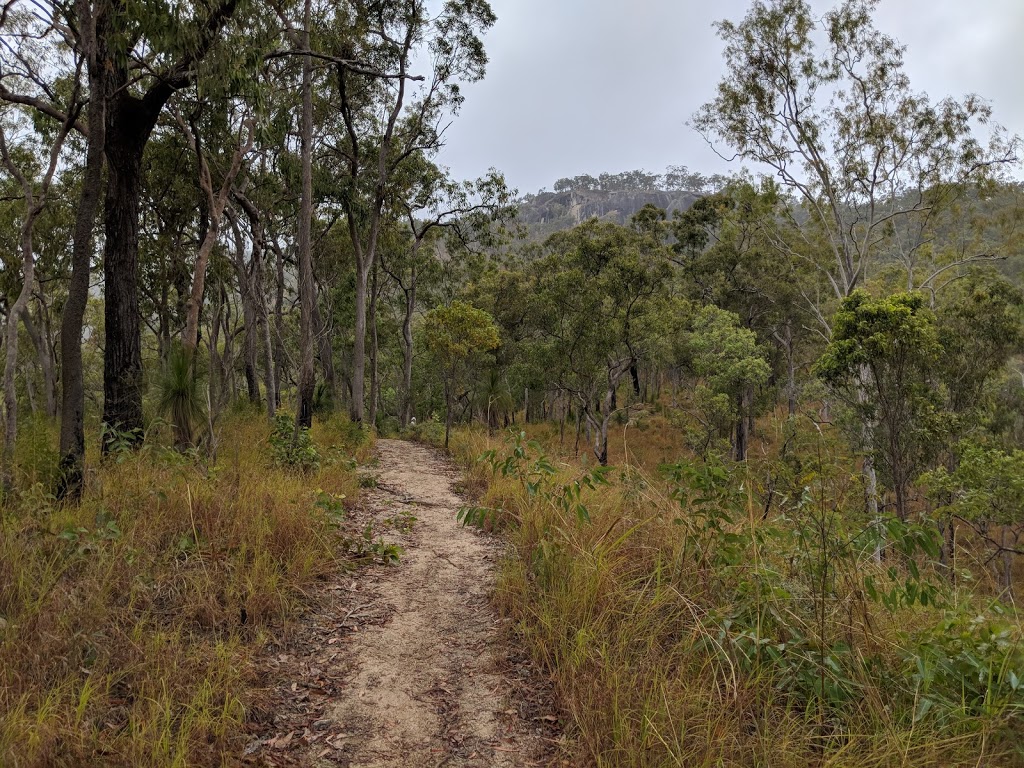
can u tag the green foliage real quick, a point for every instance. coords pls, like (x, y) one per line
(456, 332)
(726, 355)
(967, 665)
(882, 358)
(987, 485)
(292, 449)
(181, 395)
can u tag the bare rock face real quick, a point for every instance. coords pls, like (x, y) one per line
(549, 212)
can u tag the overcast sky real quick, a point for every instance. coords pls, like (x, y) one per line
(585, 86)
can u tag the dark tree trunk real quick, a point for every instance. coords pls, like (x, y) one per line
(256, 288)
(249, 312)
(307, 288)
(72, 421)
(740, 442)
(122, 352)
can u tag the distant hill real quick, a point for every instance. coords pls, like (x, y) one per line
(611, 197)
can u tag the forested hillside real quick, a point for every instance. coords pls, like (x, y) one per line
(753, 444)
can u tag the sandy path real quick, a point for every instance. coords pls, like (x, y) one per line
(411, 668)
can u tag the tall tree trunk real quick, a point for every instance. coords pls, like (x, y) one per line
(122, 352)
(280, 357)
(326, 347)
(249, 313)
(256, 288)
(195, 300)
(72, 413)
(19, 307)
(356, 407)
(410, 308)
(307, 289)
(374, 380)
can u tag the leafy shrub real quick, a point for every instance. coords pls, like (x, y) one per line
(430, 432)
(291, 449)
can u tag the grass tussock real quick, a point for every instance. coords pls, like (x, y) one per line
(127, 624)
(682, 629)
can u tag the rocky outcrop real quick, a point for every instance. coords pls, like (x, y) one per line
(549, 212)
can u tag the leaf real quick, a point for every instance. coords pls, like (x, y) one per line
(923, 708)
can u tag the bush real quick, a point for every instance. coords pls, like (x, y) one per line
(291, 449)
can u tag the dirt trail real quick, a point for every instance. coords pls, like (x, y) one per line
(406, 667)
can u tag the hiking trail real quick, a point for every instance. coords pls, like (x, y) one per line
(408, 665)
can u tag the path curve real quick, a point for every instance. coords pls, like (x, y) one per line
(420, 677)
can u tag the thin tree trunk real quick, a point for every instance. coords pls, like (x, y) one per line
(407, 350)
(72, 414)
(256, 287)
(374, 381)
(326, 347)
(740, 441)
(307, 289)
(280, 357)
(246, 291)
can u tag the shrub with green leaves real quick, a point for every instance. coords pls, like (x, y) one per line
(291, 448)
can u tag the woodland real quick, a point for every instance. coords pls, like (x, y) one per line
(754, 443)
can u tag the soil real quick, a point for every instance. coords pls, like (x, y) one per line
(408, 664)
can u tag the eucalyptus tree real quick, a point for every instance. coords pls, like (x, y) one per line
(595, 311)
(153, 51)
(883, 356)
(729, 360)
(217, 185)
(390, 114)
(471, 214)
(58, 108)
(726, 246)
(66, 44)
(829, 109)
(35, 187)
(457, 335)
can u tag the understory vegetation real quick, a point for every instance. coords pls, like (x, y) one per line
(708, 613)
(129, 623)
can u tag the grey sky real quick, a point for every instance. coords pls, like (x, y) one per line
(585, 86)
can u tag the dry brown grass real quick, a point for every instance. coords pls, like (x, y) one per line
(624, 623)
(128, 622)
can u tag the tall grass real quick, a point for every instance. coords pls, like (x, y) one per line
(677, 637)
(128, 624)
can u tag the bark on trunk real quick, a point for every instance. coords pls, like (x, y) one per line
(72, 421)
(740, 441)
(407, 350)
(35, 200)
(249, 314)
(122, 352)
(307, 295)
(374, 382)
